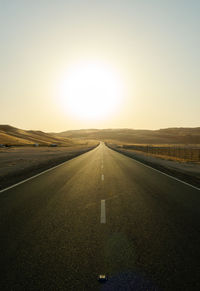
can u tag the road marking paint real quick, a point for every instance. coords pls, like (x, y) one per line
(41, 173)
(102, 177)
(23, 181)
(103, 211)
(169, 176)
(161, 172)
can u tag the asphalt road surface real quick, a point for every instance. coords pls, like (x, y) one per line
(100, 213)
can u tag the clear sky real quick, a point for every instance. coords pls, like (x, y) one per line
(150, 47)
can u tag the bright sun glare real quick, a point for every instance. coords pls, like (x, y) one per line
(90, 91)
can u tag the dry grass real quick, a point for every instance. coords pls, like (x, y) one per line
(12, 136)
(181, 153)
(18, 163)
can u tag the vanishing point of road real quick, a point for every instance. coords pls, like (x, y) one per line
(100, 213)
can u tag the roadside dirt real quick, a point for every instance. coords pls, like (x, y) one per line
(18, 163)
(185, 171)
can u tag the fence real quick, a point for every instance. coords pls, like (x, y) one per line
(188, 153)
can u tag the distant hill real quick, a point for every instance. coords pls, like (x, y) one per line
(162, 136)
(14, 136)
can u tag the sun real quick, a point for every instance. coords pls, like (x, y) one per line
(91, 91)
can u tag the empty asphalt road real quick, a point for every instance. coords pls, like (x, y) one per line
(100, 213)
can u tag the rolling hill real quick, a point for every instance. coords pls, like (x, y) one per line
(10, 135)
(14, 136)
(161, 136)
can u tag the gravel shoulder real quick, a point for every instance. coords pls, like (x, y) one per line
(186, 171)
(18, 163)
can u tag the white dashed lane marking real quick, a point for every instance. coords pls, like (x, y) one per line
(103, 211)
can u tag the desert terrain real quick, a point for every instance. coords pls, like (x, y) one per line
(179, 135)
(23, 153)
(182, 168)
(175, 151)
(26, 153)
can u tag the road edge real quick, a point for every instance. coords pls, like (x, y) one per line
(161, 169)
(75, 155)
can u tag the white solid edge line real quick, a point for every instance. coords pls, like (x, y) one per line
(41, 173)
(103, 211)
(102, 177)
(166, 174)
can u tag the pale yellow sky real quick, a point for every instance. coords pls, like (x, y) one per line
(152, 47)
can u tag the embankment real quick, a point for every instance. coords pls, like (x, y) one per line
(19, 163)
(186, 171)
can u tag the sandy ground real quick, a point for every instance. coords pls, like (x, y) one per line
(18, 163)
(186, 171)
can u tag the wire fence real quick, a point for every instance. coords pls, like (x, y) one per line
(188, 153)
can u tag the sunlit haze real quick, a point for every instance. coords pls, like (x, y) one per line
(90, 91)
(99, 64)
